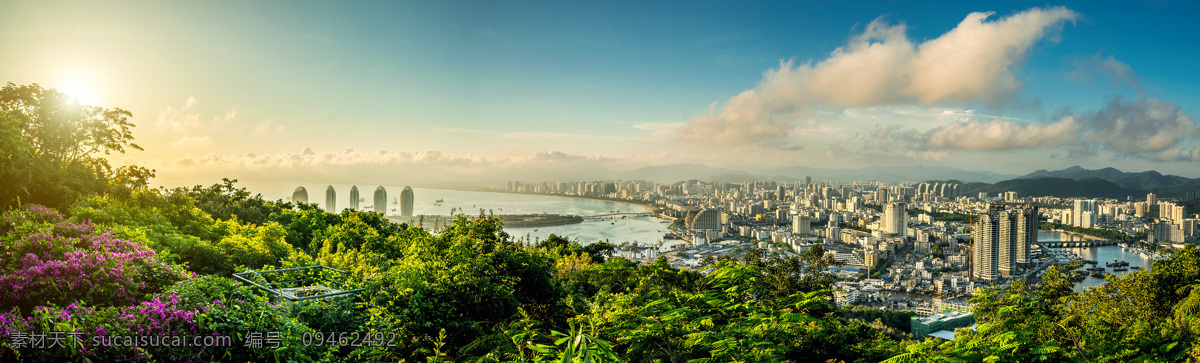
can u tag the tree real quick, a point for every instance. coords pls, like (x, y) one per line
(56, 158)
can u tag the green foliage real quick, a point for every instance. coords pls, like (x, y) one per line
(1145, 316)
(944, 216)
(224, 201)
(232, 309)
(898, 320)
(50, 261)
(732, 318)
(50, 143)
(466, 280)
(177, 231)
(252, 246)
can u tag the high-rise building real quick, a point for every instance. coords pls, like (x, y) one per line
(1002, 241)
(1078, 218)
(1018, 232)
(895, 219)
(330, 200)
(707, 219)
(406, 202)
(801, 224)
(1010, 196)
(1139, 209)
(1159, 232)
(1151, 200)
(985, 251)
(380, 200)
(354, 198)
(1171, 211)
(300, 195)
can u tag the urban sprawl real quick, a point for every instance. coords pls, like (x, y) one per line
(920, 247)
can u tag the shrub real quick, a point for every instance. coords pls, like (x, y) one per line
(65, 262)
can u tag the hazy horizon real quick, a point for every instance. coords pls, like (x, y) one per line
(468, 93)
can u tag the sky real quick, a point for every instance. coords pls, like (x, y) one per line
(439, 91)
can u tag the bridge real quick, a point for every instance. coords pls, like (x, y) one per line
(1072, 244)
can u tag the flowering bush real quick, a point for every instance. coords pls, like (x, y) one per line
(197, 307)
(49, 261)
(184, 238)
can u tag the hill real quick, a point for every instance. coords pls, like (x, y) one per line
(1057, 187)
(1147, 181)
(888, 174)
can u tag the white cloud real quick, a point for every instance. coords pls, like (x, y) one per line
(1118, 72)
(179, 118)
(1148, 128)
(268, 126)
(1143, 127)
(185, 117)
(415, 166)
(659, 129)
(973, 62)
(192, 142)
(1002, 135)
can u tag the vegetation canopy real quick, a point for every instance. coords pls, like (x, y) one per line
(91, 252)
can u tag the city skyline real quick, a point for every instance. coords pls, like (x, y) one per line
(272, 91)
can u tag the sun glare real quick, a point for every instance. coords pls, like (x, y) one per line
(79, 93)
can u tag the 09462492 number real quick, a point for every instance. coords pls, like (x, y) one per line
(348, 339)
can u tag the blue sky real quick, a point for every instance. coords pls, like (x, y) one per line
(461, 88)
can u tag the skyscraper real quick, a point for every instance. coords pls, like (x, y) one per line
(300, 195)
(707, 219)
(895, 219)
(985, 252)
(1002, 241)
(354, 198)
(406, 202)
(330, 200)
(1025, 224)
(1078, 218)
(801, 224)
(380, 200)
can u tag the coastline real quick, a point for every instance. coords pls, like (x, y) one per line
(510, 220)
(1084, 236)
(649, 207)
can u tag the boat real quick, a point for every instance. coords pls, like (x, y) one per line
(1098, 275)
(439, 201)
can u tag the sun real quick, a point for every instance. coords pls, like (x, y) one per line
(79, 92)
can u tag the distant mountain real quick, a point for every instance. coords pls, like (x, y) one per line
(1150, 181)
(676, 172)
(1057, 187)
(890, 174)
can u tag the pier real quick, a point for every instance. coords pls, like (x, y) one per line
(1073, 244)
(616, 214)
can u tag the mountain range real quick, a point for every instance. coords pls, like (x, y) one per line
(891, 174)
(1076, 181)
